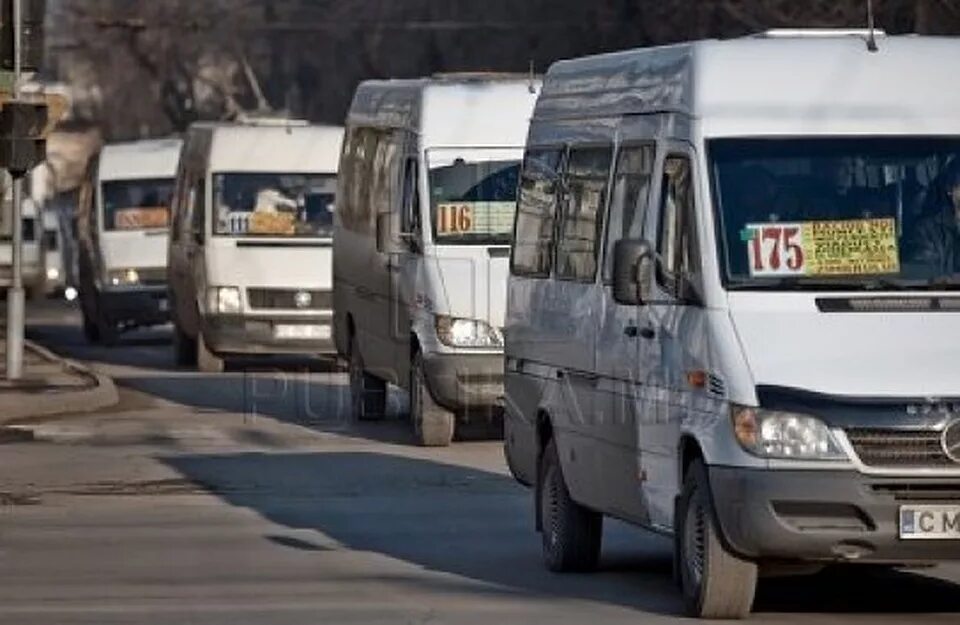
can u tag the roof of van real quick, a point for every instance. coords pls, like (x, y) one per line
(155, 158)
(778, 83)
(274, 147)
(476, 109)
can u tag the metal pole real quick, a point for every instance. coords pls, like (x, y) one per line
(15, 297)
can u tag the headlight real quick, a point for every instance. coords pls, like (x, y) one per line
(53, 273)
(773, 434)
(467, 333)
(224, 300)
(124, 277)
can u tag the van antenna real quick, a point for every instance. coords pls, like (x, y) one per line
(532, 85)
(871, 28)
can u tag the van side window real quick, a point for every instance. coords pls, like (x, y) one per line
(676, 238)
(364, 149)
(198, 197)
(628, 199)
(536, 213)
(411, 198)
(588, 170)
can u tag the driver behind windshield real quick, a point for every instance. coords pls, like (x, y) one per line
(937, 239)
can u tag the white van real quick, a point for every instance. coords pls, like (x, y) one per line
(250, 258)
(53, 264)
(733, 312)
(419, 286)
(122, 224)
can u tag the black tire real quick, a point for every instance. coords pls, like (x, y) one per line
(368, 394)
(572, 534)
(107, 329)
(91, 332)
(184, 347)
(715, 583)
(433, 425)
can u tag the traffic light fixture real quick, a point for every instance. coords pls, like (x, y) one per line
(23, 143)
(32, 13)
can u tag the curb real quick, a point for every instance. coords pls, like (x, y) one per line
(23, 409)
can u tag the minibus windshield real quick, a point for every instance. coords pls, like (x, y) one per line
(838, 213)
(137, 204)
(473, 197)
(274, 204)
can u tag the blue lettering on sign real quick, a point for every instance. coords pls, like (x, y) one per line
(907, 524)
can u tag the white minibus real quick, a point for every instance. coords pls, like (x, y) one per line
(250, 249)
(123, 220)
(734, 306)
(428, 190)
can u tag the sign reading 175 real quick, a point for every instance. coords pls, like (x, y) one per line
(775, 249)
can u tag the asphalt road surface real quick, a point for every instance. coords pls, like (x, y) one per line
(246, 498)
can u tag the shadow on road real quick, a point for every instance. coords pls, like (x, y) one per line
(478, 525)
(446, 518)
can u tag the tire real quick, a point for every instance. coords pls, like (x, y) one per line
(368, 394)
(572, 534)
(715, 583)
(107, 330)
(433, 425)
(185, 351)
(207, 361)
(91, 332)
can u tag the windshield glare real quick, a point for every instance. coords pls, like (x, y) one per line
(137, 204)
(274, 204)
(838, 212)
(472, 201)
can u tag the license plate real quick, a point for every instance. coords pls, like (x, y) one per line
(928, 522)
(302, 331)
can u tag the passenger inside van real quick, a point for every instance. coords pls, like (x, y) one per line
(937, 239)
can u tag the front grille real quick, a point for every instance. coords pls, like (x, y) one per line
(899, 448)
(286, 299)
(919, 492)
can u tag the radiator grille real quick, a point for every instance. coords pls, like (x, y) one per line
(287, 299)
(900, 448)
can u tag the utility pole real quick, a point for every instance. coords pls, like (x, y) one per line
(16, 314)
(24, 124)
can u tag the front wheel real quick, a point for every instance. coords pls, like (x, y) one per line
(716, 584)
(368, 394)
(433, 425)
(572, 534)
(184, 347)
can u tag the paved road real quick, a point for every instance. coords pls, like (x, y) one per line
(243, 498)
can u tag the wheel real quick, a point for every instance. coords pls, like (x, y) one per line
(572, 534)
(207, 361)
(107, 329)
(716, 584)
(184, 347)
(368, 394)
(91, 332)
(433, 425)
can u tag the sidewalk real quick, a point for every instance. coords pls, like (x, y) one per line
(51, 386)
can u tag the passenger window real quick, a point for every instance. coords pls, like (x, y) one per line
(628, 199)
(533, 240)
(676, 233)
(411, 198)
(198, 209)
(588, 170)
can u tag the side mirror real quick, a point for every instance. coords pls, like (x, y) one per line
(411, 240)
(633, 266)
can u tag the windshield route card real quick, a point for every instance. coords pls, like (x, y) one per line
(823, 248)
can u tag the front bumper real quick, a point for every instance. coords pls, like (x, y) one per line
(826, 516)
(142, 306)
(465, 382)
(256, 335)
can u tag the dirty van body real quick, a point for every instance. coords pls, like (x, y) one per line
(428, 180)
(732, 312)
(250, 251)
(123, 222)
